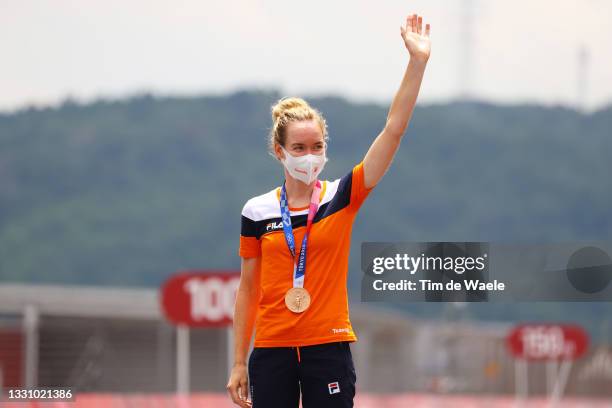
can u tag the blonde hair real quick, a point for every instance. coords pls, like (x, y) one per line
(292, 109)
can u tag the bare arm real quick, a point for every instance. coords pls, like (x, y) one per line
(245, 311)
(380, 155)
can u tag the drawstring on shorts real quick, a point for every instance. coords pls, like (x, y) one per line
(298, 353)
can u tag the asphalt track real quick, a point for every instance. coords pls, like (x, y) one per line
(363, 400)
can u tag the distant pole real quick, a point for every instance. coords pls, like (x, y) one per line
(182, 359)
(582, 78)
(561, 382)
(30, 327)
(552, 372)
(521, 382)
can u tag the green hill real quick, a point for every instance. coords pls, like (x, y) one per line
(126, 192)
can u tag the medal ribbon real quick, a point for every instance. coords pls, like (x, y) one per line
(299, 268)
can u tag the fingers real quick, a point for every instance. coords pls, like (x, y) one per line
(246, 403)
(414, 24)
(244, 389)
(233, 390)
(238, 388)
(236, 393)
(243, 393)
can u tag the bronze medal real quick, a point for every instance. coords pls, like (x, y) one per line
(297, 300)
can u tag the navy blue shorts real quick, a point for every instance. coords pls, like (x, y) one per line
(323, 374)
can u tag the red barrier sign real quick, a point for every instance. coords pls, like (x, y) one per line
(547, 341)
(200, 298)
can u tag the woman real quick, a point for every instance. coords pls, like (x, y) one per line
(300, 309)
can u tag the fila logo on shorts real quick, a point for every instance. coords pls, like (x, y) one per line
(334, 388)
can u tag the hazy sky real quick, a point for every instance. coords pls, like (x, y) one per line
(520, 50)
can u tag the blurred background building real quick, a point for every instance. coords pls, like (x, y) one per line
(116, 340)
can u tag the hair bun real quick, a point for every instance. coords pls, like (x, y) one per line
(287, 110)
(285, 104)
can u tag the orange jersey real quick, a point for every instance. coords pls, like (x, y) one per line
(327, 255)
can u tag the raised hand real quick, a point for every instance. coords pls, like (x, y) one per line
(417, 42)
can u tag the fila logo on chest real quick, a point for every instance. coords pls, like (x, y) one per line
(273, 226)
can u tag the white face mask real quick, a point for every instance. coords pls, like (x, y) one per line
(305, 168)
